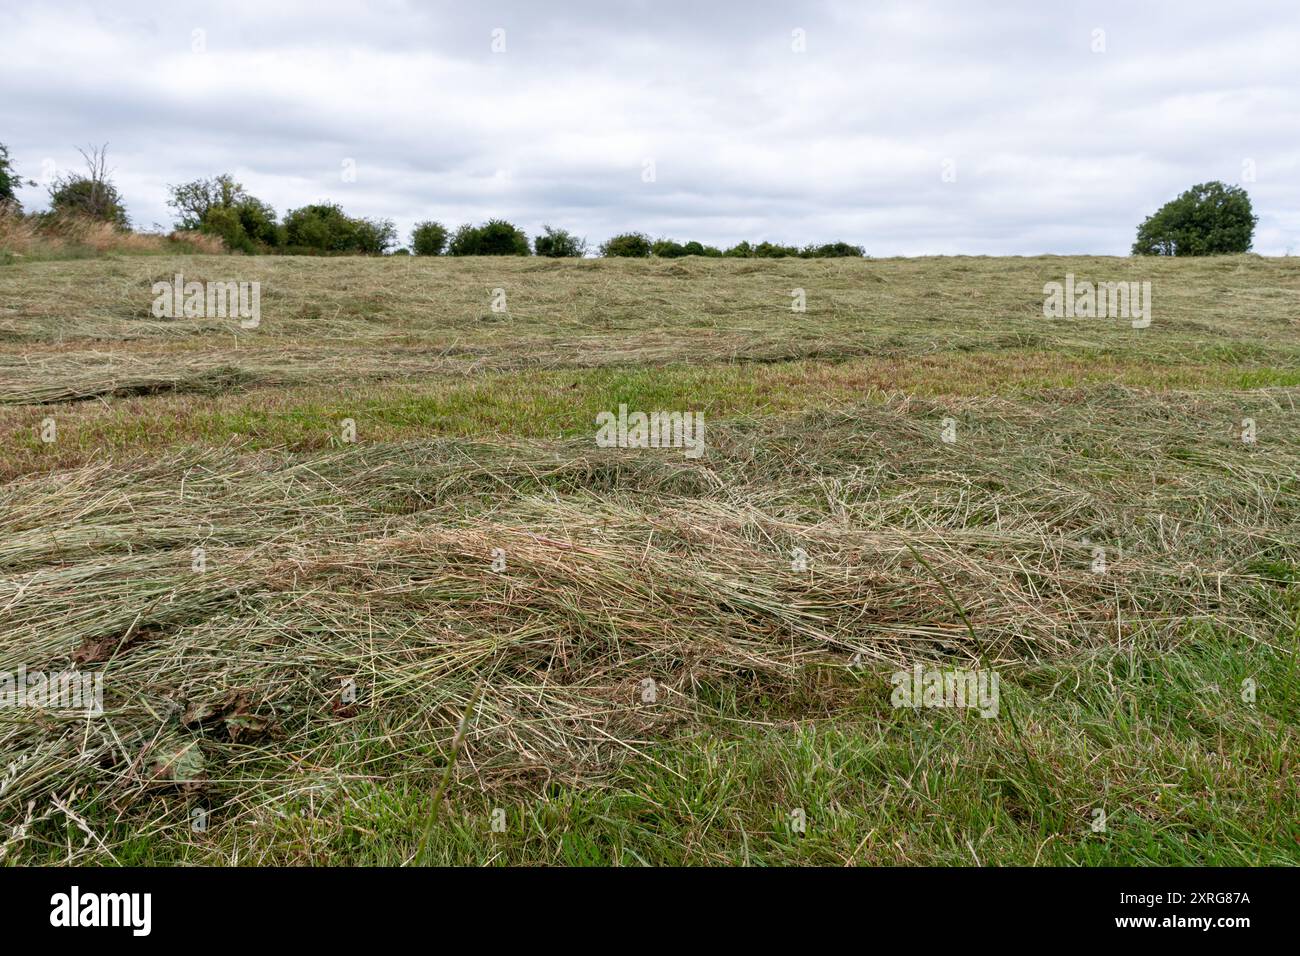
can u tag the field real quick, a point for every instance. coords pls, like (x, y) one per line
(435, 643)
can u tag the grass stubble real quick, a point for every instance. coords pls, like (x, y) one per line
(515, 695)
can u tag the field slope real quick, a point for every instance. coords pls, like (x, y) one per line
(471, 635)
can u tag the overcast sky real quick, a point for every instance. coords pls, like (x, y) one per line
(908, 128)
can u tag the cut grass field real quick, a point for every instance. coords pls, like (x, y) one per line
(1160, 696)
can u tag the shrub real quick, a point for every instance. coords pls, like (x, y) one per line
(222, 207)
(628, 244)
(428, 238)
(831, 250)
(559, 243)
(667, 249)
(224, 223)
(771, 250)
(92, 196)
(258, 222)
(322, 226)
(82, 197)
(1208, 219)
(325, 228)
(194, 200)
(373, 237)
(670, 249)
(741, 250)
(496, 237)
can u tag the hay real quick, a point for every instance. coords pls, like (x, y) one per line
(374, 563)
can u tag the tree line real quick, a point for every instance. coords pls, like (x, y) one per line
(1208, 219)
(223, 207)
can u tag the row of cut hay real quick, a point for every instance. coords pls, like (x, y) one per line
(374, 564)
(28, 383)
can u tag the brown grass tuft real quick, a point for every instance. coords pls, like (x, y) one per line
(70, 237)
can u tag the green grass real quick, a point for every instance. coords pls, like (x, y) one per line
(877, 786)
(564, 403)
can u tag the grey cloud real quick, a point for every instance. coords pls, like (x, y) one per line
(1056, 148)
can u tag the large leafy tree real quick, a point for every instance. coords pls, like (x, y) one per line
(429, 239)
(1208, 219)
(223, 207)
(194, 201)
